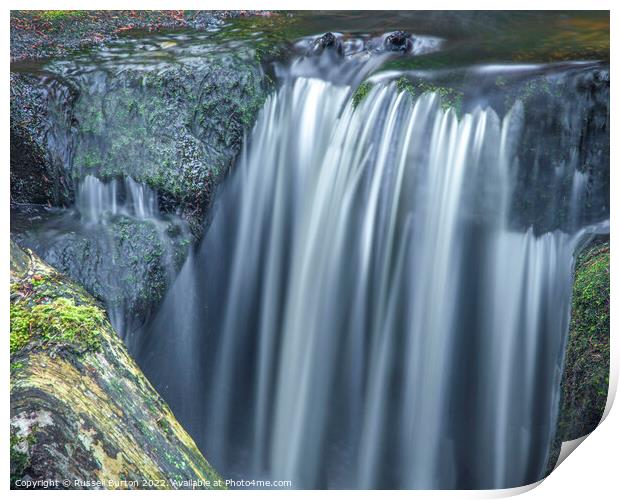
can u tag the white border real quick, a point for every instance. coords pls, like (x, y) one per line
(592, 472)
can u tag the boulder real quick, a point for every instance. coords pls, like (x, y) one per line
(127, 263)
(586, 367)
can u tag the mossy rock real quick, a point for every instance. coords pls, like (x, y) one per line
(449, 98)
(360, 93)
(586, 372)
(585, 379)
(82, 413)
(127, 264)
(177, 130)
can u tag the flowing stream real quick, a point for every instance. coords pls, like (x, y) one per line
(365, 310)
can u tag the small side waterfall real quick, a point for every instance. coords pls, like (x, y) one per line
(108, 219)
(96, 199)
(367, 313)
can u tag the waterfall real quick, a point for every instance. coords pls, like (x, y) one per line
(96, 199)
(108, 219)
(364, 311)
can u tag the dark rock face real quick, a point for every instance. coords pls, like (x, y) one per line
(83, 416)
(37, 173)
(566, 122)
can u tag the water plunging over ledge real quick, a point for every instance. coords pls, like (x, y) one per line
(365, 310)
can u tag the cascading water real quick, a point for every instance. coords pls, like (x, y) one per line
(96, 200)
(103, 215)
(365, 309)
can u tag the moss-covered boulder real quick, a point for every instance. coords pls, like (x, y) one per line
(175, 126)
(82, 413)
(585, 380)
(177, 129)
(586, 372)
(126, 263)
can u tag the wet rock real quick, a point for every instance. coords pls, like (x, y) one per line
(329, 43)
(586, 368)
(398, 41)
(127, 263)
(83, 416)
(176, 129)
(36, 34)
(567, 117)
(585, 380)
(37, 174)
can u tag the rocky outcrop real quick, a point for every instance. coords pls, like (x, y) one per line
(126, 263)
(571, 113)
(83, 415)
(37, 173)
(586, 367)
(176, 130)
(175, 125)
(585, 380)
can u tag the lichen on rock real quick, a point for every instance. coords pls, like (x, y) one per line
(82, 413)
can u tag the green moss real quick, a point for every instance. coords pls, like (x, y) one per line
(16, 366)
(59, 321)
(532, 92)
(57, 15)
(361, 92)
(586, 377)
(449, 98)
(19, 459)
(20, 456)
